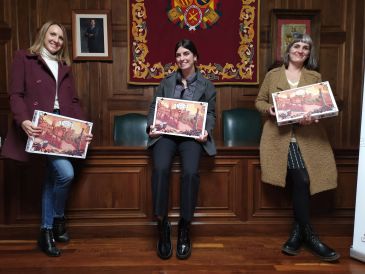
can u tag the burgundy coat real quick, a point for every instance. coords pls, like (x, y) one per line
(33, 87)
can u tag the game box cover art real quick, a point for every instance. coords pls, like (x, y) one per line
(180, 117)
(61, 135)
(292, 104)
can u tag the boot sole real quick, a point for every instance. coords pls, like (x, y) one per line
(47, 253)
(326, 259)
(290, 252)
(61, 239)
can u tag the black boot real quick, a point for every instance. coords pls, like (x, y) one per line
(164, 246)
(312, 242)
(46, 243)
(59, 230)
(183, 248)
(293, 244)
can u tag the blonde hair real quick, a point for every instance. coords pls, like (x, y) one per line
(63, 54)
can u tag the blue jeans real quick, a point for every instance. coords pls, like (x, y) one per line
(56, 186)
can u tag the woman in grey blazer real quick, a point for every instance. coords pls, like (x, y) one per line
(187, 84)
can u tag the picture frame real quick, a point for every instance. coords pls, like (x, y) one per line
(180, 117)
(91, 35)
(285, 22)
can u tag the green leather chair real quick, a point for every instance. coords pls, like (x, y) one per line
(241, 127)
(130, 130)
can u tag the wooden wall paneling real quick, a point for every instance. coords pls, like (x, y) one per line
(355, 56)
(349, 71)
(112, 188)
(223, 102)
(268, 202)
(119, 19)
(5, 39)
(20, 25)
(332, 56)
(89, 97)
(23, 191)
(118, 76)
(92, 4)
(332, 63)
(252, 178)
(50, 10)
(2, 191)
(347, 180)
(221, 187)
(333, 13)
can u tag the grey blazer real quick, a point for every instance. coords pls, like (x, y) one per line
(204, 92)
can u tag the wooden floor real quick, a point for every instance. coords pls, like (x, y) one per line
(213, 255)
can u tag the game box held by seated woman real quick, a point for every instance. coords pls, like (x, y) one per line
(180, 117)
(292, 104)
(61, 135)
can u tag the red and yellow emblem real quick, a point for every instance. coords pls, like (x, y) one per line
(194, 14)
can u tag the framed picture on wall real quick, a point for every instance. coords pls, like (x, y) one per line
(287, 23)
(91, 35)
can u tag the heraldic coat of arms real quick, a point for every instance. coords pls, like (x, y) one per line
(194, 14)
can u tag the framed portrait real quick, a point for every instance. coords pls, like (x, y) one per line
(286, 23)
(91, 35)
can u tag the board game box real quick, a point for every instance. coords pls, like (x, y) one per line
(180, 117)
(292, 104)
(61, 135)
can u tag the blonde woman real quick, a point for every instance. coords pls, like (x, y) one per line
(41, 79)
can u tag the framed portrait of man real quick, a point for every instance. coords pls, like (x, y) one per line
(91, 35)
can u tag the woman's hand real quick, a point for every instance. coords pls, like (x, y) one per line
(307, 120)
(202, 138)
(153, 133)
(272, 111)
(89, 138)
(30, 129)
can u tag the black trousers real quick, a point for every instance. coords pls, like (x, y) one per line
(299, 182)
(163, 152)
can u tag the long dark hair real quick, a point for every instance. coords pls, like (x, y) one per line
(188, 44)
(311, 62)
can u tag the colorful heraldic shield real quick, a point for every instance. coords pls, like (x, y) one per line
(61, 135)
(194, 14)
(180, 117)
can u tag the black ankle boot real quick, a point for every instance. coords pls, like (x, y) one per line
(59, 230)
(312, 242)
(293, 244)
(46, 243)
(164, 246)
(183, 248)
